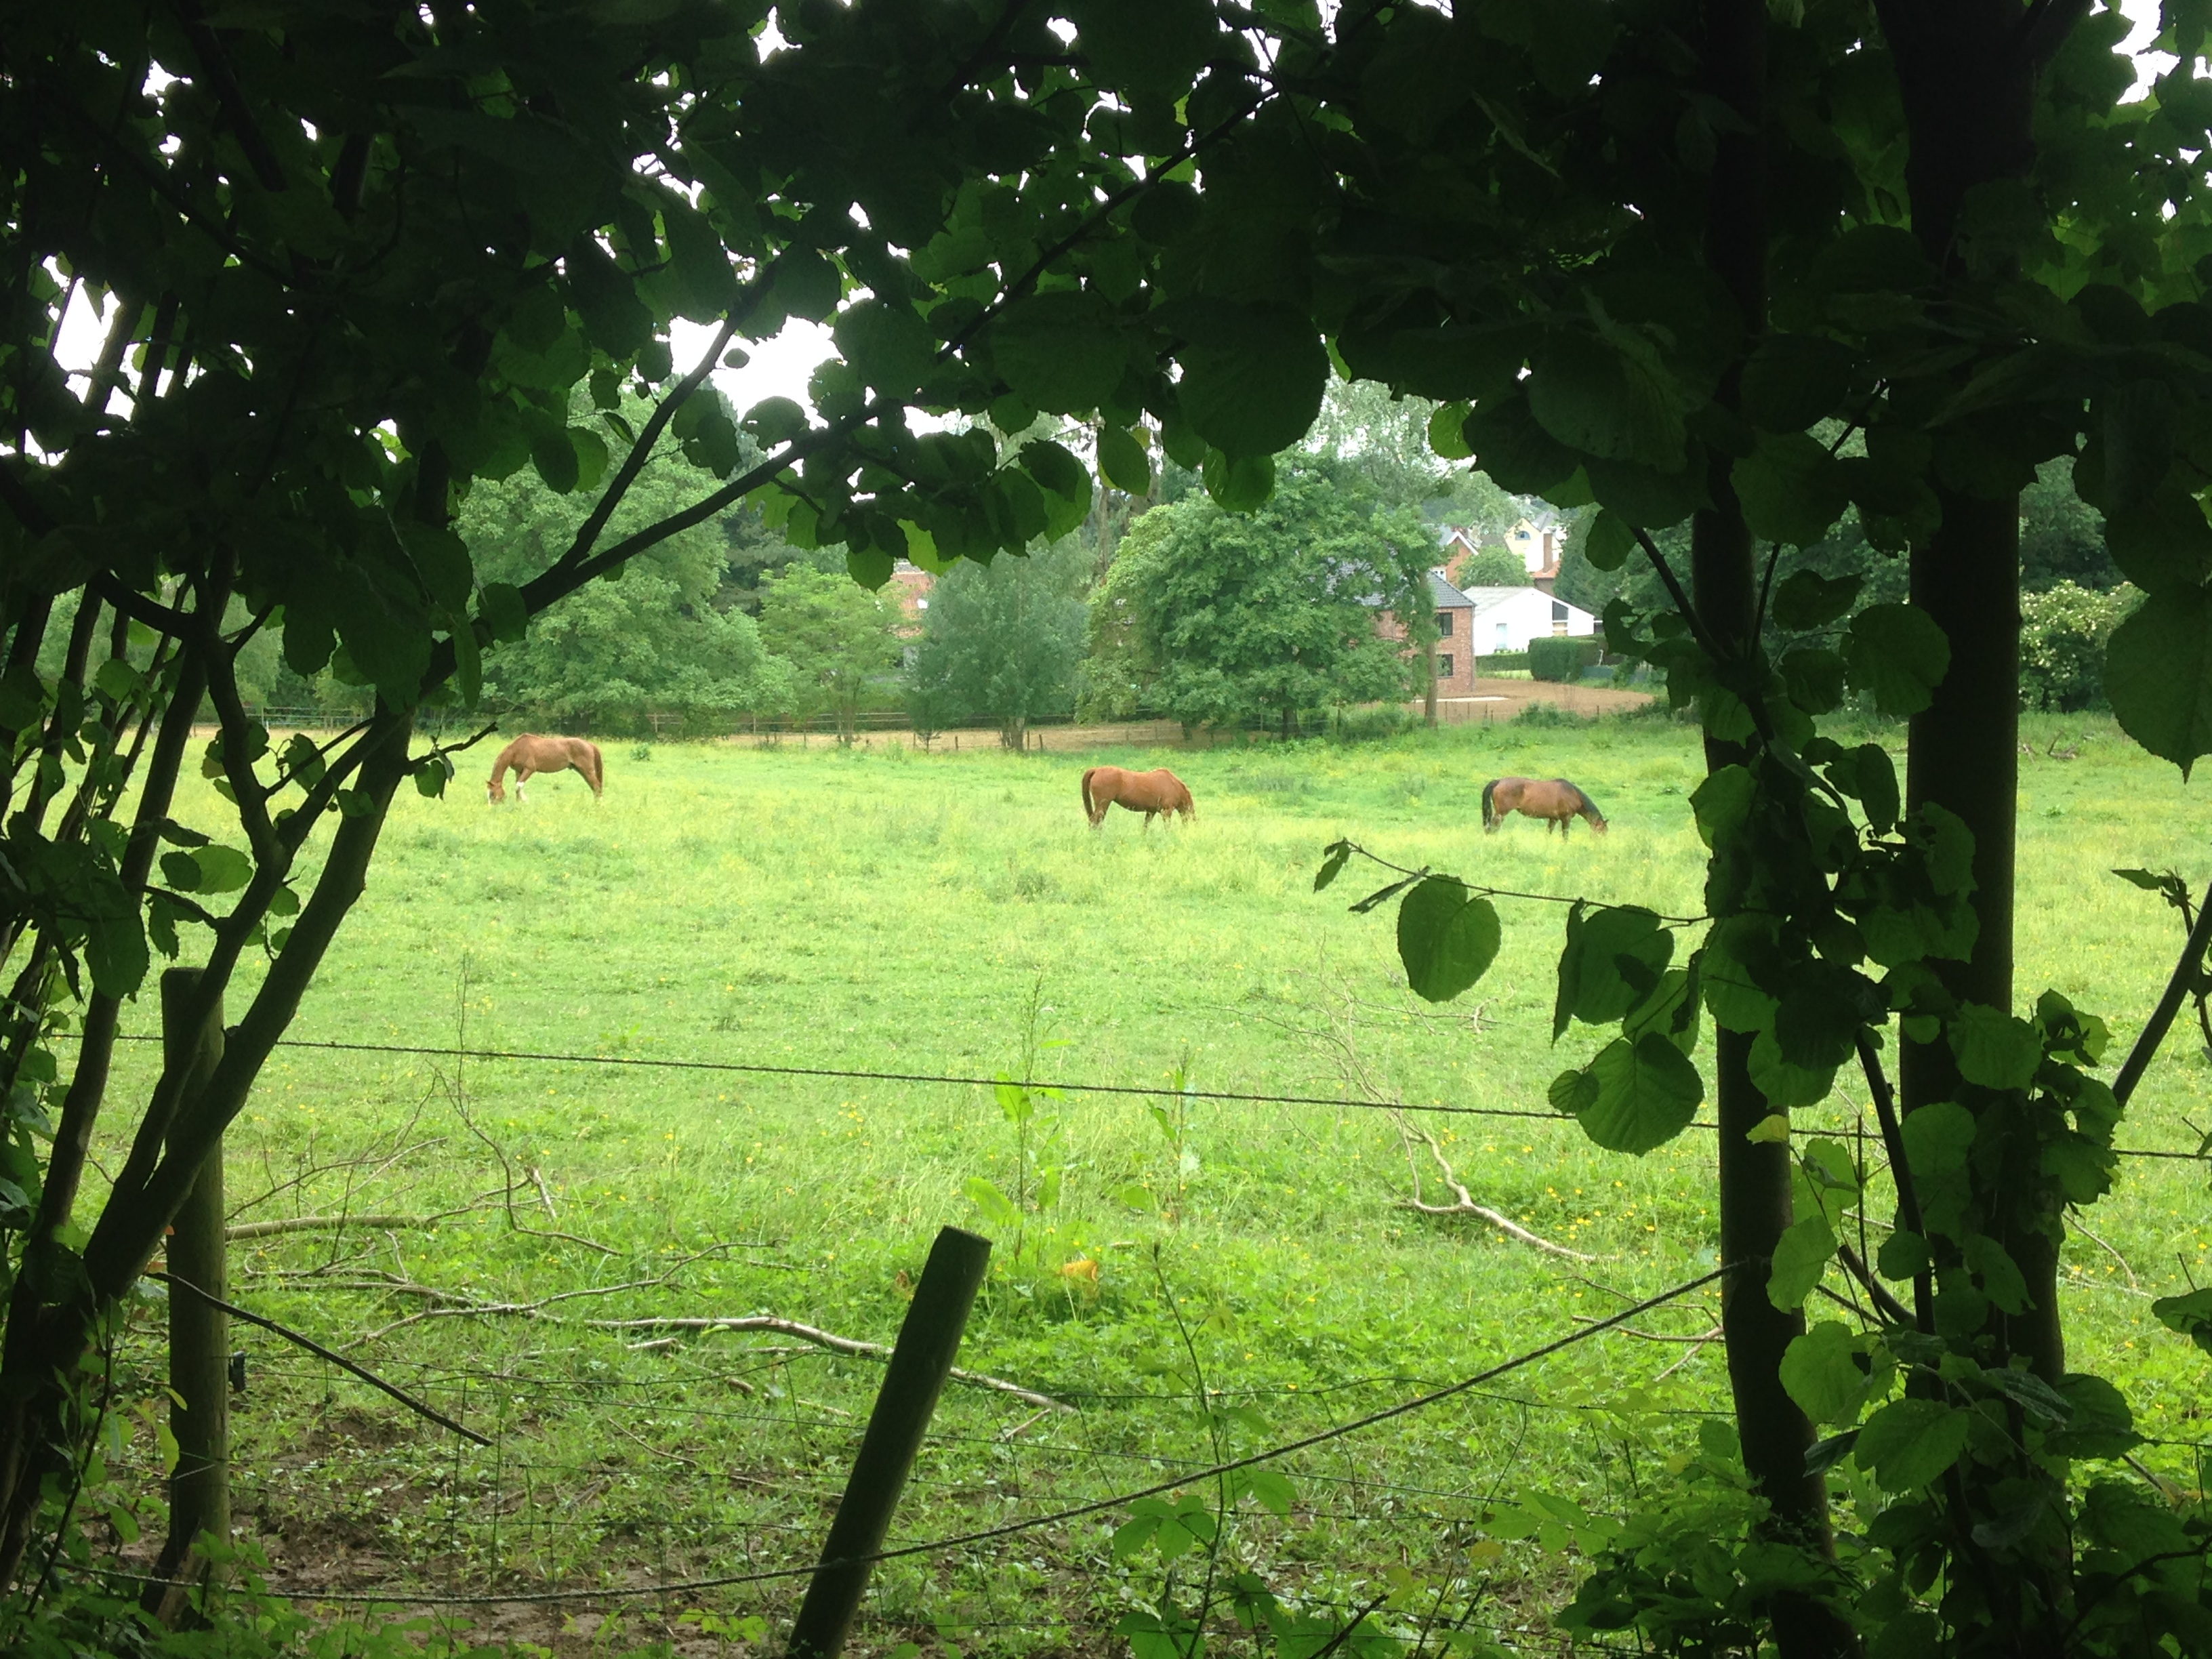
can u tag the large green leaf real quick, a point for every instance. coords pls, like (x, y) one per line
(1789, 489)
(1647, 1093)
(2158, 672)
(1794, 380)
(1241, 484)
(1800, 1256)
(1613, 960)
(1908, 1443)
(1896, 654)
(888, 345)
(2162, 542)
(1821, 1371)
(1146, 46)
(1807, 599)
(1123, 462)
(1060, 351)
(1252, 375)
(1605, 403)
(1993, 1048)
(1447, 937)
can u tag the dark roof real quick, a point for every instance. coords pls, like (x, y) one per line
(1445, 597)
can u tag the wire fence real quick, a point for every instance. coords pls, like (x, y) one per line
(511, 1503)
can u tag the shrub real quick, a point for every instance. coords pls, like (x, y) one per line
(1501, 662)
(1555, 660)
(2062, 632)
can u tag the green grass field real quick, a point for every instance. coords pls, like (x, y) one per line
(943, 914)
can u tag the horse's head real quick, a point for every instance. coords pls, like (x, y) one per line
(495, 792)
(1596, 821)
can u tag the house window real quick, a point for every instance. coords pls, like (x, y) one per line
(1558, 617)
(1444, 668)
(1443, 624)
(1504, 638)
(921, 605)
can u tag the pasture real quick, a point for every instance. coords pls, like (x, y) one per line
(940, 914)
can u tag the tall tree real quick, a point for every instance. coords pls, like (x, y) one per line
(836, 638)
(1226, 616)
(1004, 640)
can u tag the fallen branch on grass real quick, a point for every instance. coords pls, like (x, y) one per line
(822, 1339)
(1464, 1202)
(318, 1224)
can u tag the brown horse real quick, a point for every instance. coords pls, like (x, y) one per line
(1148, 792)
(1554, 799)
(530, 754)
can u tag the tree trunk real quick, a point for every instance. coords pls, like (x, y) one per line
(1968, 73)
(1755, 1201)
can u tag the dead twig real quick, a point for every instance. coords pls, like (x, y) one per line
(316, 1223)
(821, 1339)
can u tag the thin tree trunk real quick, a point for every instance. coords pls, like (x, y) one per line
(1755, 1204)
(1968, 73)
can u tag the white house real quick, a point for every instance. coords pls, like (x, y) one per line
(1507, 618)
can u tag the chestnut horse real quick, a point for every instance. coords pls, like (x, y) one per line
(1554, 800)
(1148, 792)
(530, 754)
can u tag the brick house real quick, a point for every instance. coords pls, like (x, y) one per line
(1455, 630)
(1536, 545)
(909, 588)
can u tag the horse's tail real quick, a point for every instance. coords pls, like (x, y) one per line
(599, 773)
(1489, 813)
(1089, 809)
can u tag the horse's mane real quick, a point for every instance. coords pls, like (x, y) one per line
(1581, 794)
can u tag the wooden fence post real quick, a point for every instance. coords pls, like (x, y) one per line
(200, 1335)
(923, 1356)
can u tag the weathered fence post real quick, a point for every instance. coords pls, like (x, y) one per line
(199, 1333)
(919, 1362)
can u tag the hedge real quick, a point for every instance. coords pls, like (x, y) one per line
(1556, 658)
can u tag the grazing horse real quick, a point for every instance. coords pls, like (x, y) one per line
(530, 754)
(1139, 791)
(1554, 799)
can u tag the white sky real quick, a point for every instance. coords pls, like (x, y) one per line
(780, 367)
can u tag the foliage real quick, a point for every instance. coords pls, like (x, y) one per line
(1493, 567)
(1221, 617)
(2063, 631)
(1003, 640)
(1555, 658)
(617, 653)
(836, 637)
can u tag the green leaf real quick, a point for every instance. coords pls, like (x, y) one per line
(1647, 1093)
(221, 869)
(1447, 937)
(1993, 1048)
(1274, 1492)
(1794, 380)
(1789, 489)
(1772, 1130)
(555, 458)
(774, 422)
(698, 259)
(2163, 543)
(1908, 1444)
(807, 285)
(998, 1209)
(2191, 1315)
(1602, 402)
(1448, 432)
(500, 606)
(2097, 1421)
(1060, 351)
(888, 345)
(1252, 375)
(1800, 1256)
(1241, 485)
(1807, 599)
(1610, 543)
(2158, 673)
(1332, 864)
(1123, 462)
(1614, 959)
(1821, 1371)
(1898, 654)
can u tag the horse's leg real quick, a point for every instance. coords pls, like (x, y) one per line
(521, 777)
